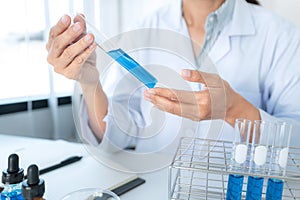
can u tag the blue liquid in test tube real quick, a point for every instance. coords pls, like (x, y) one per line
(121, 57)
(274, 189)
(133, 67)
(234, 187)
(238, 159)
(254, 188)
(280, 150)
(259, 150)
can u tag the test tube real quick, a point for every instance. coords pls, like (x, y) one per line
(279, 157)
(120, 56)
(259, 151)
(241, 144)
(238, 159)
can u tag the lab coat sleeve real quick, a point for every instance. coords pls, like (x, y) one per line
(116, 135)
(296, 126)
(124, 112)
(85, 132)
(282, 83)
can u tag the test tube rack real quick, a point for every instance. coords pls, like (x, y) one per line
(200, 170)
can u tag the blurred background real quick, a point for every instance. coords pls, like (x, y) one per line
(36, 102)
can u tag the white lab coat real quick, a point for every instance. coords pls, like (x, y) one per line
(258, 53)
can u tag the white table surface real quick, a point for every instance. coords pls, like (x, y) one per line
(87, 173)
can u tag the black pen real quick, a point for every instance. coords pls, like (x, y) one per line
(63, 163)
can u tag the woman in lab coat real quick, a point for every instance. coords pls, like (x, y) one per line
(256, 54)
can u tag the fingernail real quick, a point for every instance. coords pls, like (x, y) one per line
(76, 27)
(92, 46)
(147, 97)
(186, 73)
(151, 91)
(64, 19)
(88, 38)
(147, 93)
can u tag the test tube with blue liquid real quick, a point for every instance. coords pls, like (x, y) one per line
(121, 57)
(279, 158)
(238, 159)
(259, 152)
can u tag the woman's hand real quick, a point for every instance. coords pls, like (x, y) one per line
(217, 101)
(70, 51)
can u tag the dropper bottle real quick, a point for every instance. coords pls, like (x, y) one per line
(1, 188)
(12, 179)
(33, 188)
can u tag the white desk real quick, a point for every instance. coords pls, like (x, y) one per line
(86, 173)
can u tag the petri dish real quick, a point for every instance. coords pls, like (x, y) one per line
(91, 194)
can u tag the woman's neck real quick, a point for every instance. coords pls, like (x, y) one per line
(196, 11)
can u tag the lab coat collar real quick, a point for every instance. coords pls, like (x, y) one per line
(242, 20)
(242, 24)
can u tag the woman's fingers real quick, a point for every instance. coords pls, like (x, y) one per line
(188, 97)
(65, 39)
(210, 103)
(79, 18)
(59, 28)
(69, 48)
(217, 101)
(187, 110)
(208, 79)
(74, 50)
(74, 69)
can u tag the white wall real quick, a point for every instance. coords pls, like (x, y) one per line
(116, 16)
(132, 10)
(286, 8)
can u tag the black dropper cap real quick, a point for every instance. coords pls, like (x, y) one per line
(33, 187)
(13, 174)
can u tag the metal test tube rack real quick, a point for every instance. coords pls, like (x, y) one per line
(194, 175)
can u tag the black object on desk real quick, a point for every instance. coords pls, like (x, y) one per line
(127, 185)
(63, 163)
(121, 188)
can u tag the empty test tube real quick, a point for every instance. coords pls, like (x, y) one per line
(121, 57)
